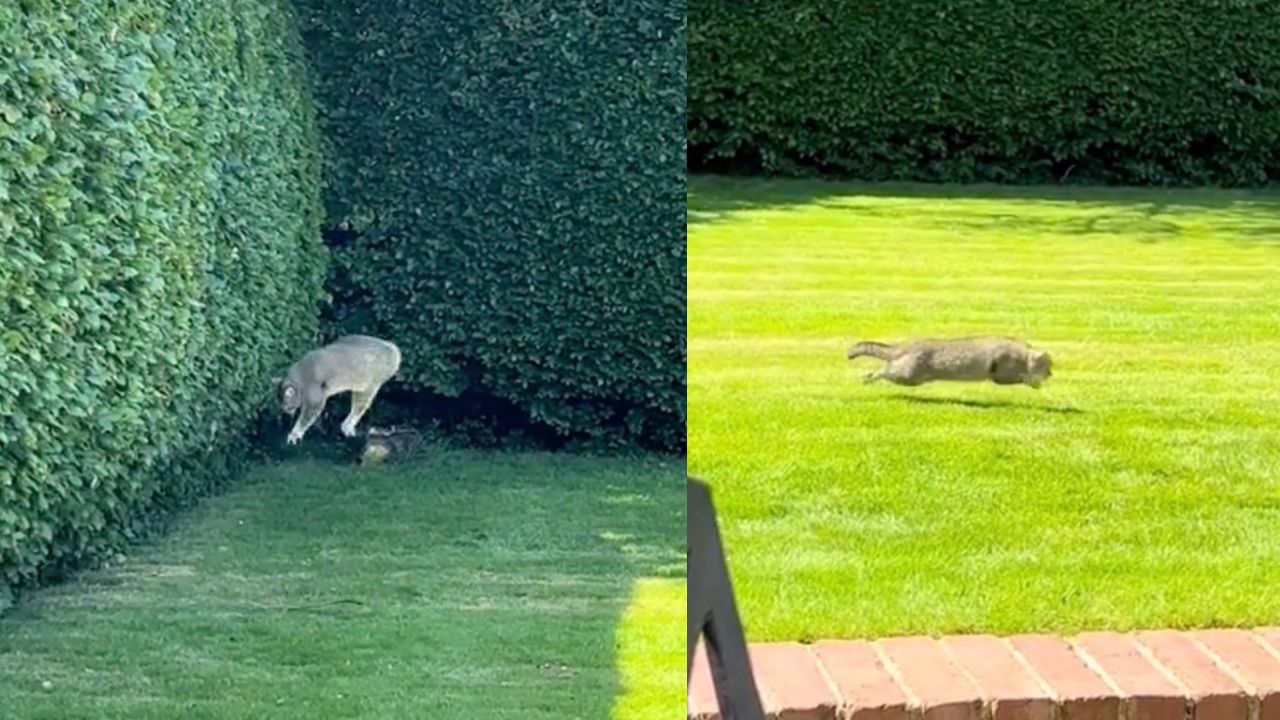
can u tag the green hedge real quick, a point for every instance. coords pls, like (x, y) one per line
(161, 259)
(1162, 91)
(511, 179)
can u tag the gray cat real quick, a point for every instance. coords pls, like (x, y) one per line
(1003, 361)
(358, 364)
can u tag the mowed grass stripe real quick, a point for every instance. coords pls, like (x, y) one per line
(1139, 488)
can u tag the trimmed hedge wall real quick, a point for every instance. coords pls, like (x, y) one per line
(1156, 92)
(508, 194)
(161, 260)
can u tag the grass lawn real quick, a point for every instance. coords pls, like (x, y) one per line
(466, 585)
(1140, 487)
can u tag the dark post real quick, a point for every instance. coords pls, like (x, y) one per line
(714, 615)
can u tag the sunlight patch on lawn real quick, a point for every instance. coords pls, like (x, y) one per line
(649, 645)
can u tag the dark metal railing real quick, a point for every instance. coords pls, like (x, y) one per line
(713, 615)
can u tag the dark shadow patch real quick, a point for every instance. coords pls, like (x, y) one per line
(1148, 215)
(987, 404)
(714, 198)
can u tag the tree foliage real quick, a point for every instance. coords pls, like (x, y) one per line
(508, 182)
(161, 259)
(1159, 92)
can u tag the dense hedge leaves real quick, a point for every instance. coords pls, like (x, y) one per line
(511, 175)
(161, 260)
(1163, 91)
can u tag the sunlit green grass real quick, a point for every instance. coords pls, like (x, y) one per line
(467, 585)
(1140, 487)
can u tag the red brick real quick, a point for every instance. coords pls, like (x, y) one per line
(1272, 632)
(1150, 695)
(1217, 696)
(1259, 669)
(702, 692)
(943, 691)
(1080, 692)
(1152, 675)
(1269, 638)
(865, 687)
(792, 685)
(1008, 687)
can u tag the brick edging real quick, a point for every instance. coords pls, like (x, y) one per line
(1146, 675)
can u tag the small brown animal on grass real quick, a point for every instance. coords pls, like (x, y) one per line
(389, 443)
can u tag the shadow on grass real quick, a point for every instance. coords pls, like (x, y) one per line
(1143, 214)
(987, 404)
(462, 585)
(713, 198)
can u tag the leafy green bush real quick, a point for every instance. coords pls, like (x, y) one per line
(161, 259)
(1164, 91)
(507, 191)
